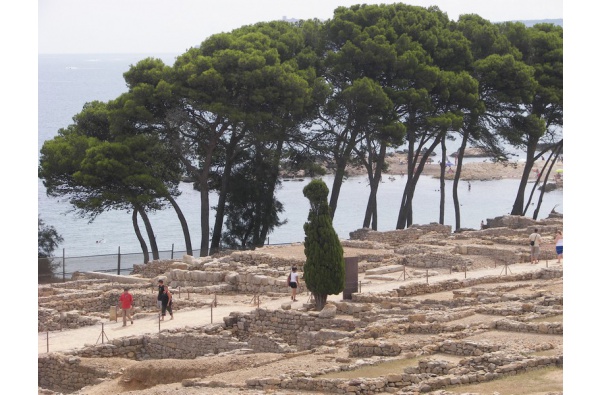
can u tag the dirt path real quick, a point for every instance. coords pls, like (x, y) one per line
(148, 322)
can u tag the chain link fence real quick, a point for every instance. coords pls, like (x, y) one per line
(121, 264)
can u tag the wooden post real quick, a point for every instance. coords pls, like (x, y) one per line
(113, 313)
(63, 265)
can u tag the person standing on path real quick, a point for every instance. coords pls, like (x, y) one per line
(558, 243)
(167, 303)
(126, 304)
(535, 241)
(294, 282)
(161, 291)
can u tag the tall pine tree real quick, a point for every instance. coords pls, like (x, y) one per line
(324, 270)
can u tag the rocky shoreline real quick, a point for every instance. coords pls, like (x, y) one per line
(485, 170)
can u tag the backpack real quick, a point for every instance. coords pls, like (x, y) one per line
(288, 279)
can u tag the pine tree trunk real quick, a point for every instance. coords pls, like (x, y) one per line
(140, 238)
(151, 235)
(320, 300)
(184, 225)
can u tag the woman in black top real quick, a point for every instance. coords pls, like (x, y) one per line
(161, 291)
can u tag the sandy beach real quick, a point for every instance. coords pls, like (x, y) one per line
(484, 170)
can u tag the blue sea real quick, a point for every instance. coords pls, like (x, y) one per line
(67, 82)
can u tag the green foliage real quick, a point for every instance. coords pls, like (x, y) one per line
(324, 270)
(48, 241)
(339, 92)
(250, 208)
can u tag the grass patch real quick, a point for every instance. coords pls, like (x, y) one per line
(539, 381)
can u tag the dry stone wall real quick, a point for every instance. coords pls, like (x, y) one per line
(450, 285)
(286, 323)
(397, 238)
(428, 376)
(66, 374)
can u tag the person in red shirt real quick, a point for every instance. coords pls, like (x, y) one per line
(126, 305)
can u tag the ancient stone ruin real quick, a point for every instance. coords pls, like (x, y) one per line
(458, 331)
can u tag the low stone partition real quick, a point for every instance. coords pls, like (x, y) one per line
(500, 255)
(251, 259)
(453, 284)
(52, 320)
(517, 309)
(176, 344)
(437, 260)
(521, 222)
(397, 238)
(154, 268)
(413, 383)
(286, 323)
(263, 342)
(66, 374)
(546, 328)
(367, 348)
(467, 348)
(227, 281)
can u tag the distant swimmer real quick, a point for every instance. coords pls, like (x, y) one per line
(100, 241)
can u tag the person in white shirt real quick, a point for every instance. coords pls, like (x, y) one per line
(294, 282)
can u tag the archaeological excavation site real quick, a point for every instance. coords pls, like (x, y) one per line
(425, 311)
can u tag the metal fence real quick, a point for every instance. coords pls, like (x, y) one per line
(109, 263)
(120, 264)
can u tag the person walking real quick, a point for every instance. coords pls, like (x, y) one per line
(558, 244)
(126, 305)
(294, 282)
(161, 291)
(535, 241)
(167, 303)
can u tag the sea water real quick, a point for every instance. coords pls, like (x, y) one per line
(67, 82)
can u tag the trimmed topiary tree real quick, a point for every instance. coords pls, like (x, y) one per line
(324, 270)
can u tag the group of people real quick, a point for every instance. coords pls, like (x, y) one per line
(164, 298)
(535, 241)
(164, 302)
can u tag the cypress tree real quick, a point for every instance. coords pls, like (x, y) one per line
(324, 270)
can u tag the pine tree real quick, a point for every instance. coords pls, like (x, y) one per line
(324, 270)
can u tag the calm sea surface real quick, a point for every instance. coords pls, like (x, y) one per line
(67, 82)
